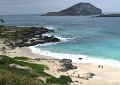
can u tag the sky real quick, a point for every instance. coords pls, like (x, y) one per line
(43, 6)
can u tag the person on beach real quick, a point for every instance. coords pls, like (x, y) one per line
(102, 67)
(98, 66)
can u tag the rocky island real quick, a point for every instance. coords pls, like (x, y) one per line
(77, 10)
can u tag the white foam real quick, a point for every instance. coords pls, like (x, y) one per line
(47, 34)
(51, 27)
(74, 57)
(46, 44)
(64, 39)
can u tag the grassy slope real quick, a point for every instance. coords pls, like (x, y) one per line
(14, 76)
(9, 78)
(37, 67)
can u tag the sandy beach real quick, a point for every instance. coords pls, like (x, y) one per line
(103, 76)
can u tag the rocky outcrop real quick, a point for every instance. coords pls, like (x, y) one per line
(27, 36)
(66, 65)
(77, 10)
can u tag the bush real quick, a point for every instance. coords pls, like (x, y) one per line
(52, 80)
(65, 79)
(62, 80)
(5, 60)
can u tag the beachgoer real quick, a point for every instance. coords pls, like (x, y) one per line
(102, 67)
(98, 66)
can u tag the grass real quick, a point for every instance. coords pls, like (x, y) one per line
(14, 76)
(22, 58)
(10, 78)
(39, 68)
(25, 72)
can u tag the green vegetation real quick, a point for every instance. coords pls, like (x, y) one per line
(15, 76)
(26, 72)
(22, 58)
(5, 60)
(13, 33)
(28, 76)
(10, 78)
(62, 80)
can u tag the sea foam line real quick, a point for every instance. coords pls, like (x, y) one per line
(51, 27)
(74, 57)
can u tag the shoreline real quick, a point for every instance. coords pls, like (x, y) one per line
(75, 58)
(105, 76)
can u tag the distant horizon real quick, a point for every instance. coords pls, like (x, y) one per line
(46, 12)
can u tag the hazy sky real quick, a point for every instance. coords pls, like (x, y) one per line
(43, 6)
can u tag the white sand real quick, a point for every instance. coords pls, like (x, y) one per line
(105, 76)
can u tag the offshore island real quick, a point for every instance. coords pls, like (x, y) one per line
(80, 9)
(20, 66)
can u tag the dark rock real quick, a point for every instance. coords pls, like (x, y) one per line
(67, 65)
(31, 36)
(63, 69)
(77, 10)
(65, 61)
(91, 74)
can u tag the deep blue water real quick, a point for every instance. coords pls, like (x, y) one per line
(93, 37)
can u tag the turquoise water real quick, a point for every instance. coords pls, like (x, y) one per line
(93, 37)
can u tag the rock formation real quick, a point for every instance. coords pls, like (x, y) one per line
(77, 10)
(26, 36)
(66, 65)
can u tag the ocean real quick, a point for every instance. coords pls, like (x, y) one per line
(95, 40)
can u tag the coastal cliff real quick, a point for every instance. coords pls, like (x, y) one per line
(77, 10)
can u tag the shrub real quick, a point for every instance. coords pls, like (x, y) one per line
(5, 60)
(62, 80)
(65, 79)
